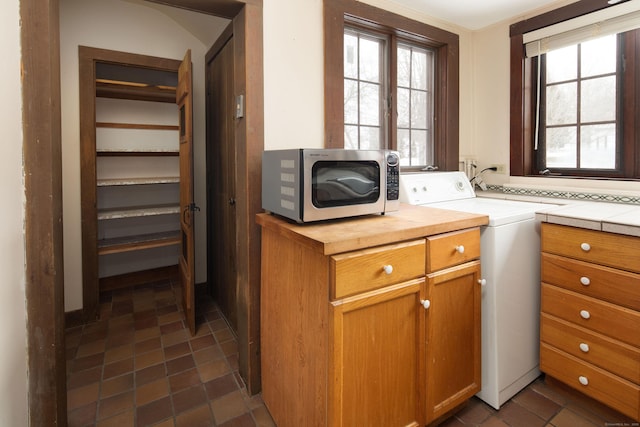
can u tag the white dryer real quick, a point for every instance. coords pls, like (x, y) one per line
(510, 262)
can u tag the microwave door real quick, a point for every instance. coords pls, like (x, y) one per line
(335, 187)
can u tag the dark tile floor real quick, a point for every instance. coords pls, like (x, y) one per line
(138, 366)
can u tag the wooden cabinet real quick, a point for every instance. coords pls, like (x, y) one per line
(591, 314)
(368, 336)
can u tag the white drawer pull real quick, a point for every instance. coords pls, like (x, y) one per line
(583, 380)
(585, 281)
(584, 347)
(425, 303)
(585, 247)
(483, 282)
(460, 249)
(388, 269)
(585, 314)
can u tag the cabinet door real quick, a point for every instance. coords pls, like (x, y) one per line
(375, 358)
(453, 338)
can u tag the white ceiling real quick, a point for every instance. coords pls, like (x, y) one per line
(474, 14)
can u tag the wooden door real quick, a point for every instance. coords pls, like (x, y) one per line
(187, 207)
(453, 338)
(221, 166)
(375, 359)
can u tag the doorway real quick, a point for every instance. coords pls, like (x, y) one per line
(41, 90)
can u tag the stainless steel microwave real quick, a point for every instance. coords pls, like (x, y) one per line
(318, 184)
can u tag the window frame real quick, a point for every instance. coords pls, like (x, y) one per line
(523, 160)
(446, 79)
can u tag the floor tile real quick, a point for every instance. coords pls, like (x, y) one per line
(197, 417)
(139, 366)
(228, 407)
(151, 391)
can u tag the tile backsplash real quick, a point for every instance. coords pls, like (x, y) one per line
(580, 194)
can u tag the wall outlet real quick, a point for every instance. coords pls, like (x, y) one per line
(500, 168)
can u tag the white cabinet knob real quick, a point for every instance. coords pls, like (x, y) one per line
(388, 269)
(585, 314)
(585, 281)
(425, 303)
(583, 380)
(482, 282)
(585, 247)
(584, 347)
(460, 249)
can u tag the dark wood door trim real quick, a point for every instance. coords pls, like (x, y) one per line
(42, 151)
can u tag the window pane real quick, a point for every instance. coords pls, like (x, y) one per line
(561, 147)
(404, 66)
(404, 147)
(370, 60)
(369, 104)
(598, 146)
(598, 56)
(561, 104)
(350, 56)
(403, 107)
(350, 101)
(369, 138)
(562, 64)
(414, 102)
(351, 137)
(419, 70)
(418, 109)
(419, 150)
(598, 99)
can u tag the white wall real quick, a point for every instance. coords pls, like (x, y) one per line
(294, 79)
(135, 28)
(13, 362)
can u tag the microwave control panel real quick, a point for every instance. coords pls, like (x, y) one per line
(393, 176)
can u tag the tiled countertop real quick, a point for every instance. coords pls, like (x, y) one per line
(611, 217)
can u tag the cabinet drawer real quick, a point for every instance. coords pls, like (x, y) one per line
(612, 355)
(608, 319)
(616, 286)
(609, 389)
(449, 249)
(614, 250)
(364, 270)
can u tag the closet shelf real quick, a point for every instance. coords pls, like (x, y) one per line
(138, 181)
(137, 211)
(136, 91)
(136, 153)
(139, 242)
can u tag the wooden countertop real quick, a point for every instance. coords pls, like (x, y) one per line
(336, 236)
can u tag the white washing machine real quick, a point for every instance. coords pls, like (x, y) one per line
(510, 261)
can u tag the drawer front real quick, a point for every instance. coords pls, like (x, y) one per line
(616, 286)
(359, 271)
(608, 319)
(611, 355)
(449, 249)
(614, 250)
(600, 385)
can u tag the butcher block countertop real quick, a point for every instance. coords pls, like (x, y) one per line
(343, 235)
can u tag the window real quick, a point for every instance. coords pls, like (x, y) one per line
(366, 90)
(574, 106)
(578, 108)
(390, 82)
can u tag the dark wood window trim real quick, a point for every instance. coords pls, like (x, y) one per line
(446, 45)
(522, 109)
